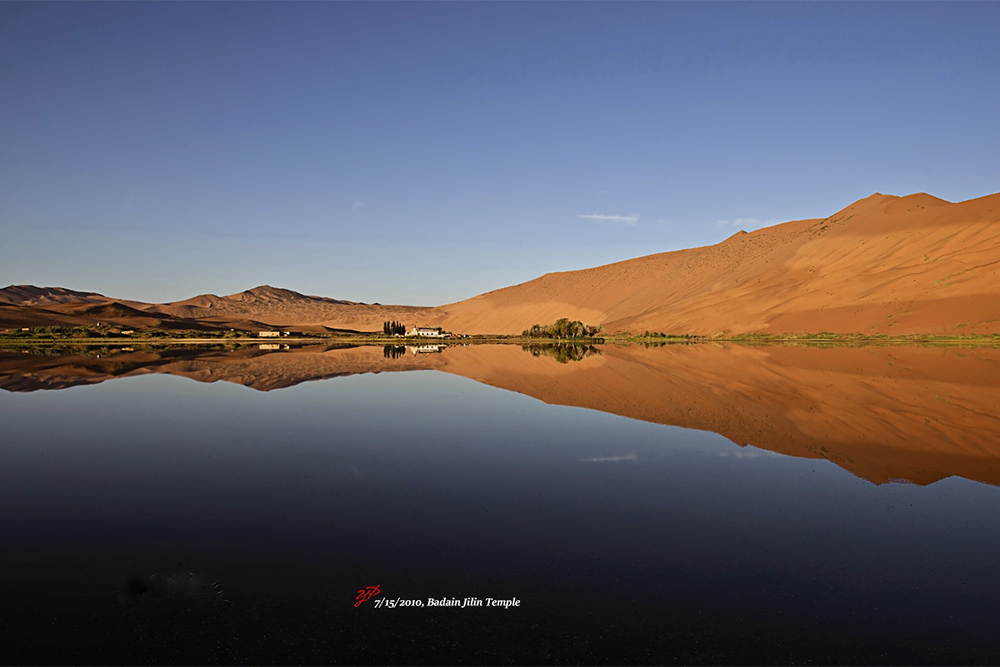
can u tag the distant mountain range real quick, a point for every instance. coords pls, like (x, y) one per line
(883, 265)
(260, 307)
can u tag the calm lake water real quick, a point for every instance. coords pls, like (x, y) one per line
(150, 518)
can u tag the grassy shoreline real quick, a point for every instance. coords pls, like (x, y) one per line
(811, 339)
(825, 338)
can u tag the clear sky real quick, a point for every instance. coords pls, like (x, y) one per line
(422, 153)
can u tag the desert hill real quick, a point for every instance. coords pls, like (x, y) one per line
(257, 308)
(883, 265)
(263, 296)
(285, 308)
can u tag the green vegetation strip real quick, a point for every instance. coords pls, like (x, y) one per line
(837, 339)
(562, 331)
(823, 339)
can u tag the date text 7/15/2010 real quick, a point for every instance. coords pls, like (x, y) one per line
(388, 603)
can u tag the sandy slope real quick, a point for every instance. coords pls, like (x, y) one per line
(885, 265)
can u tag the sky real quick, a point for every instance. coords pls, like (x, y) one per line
(424, 152)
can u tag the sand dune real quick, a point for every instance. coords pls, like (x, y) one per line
(29, 295)
(883, 265)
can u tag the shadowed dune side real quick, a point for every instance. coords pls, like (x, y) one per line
(29, 295)
(111, 312)
(16, 316)
(899, 413)
(883, 265)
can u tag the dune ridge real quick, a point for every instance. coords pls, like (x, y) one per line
(883, 265)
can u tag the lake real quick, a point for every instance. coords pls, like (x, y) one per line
(709, 504)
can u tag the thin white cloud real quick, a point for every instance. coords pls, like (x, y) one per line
(357, 205)
(614, 219)
(748, 452)
(602, 459)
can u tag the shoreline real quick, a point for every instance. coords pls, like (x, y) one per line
(811, 339)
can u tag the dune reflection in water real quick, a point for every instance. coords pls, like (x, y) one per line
(917, 414)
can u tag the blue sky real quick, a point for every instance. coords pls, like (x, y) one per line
(422, 153)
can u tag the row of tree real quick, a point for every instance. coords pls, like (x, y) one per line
(393, 328)
(562, 328)
(660, 334)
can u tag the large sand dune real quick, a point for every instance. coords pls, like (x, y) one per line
(883, 265)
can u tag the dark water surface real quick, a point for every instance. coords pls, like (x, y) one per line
(154, 519)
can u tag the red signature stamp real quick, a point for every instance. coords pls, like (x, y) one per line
(365, 594)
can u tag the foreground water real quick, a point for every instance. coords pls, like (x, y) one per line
(156, 519)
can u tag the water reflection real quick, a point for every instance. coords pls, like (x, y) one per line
(393, 351)
(916, 414)
(158, 520)
(562, 352)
